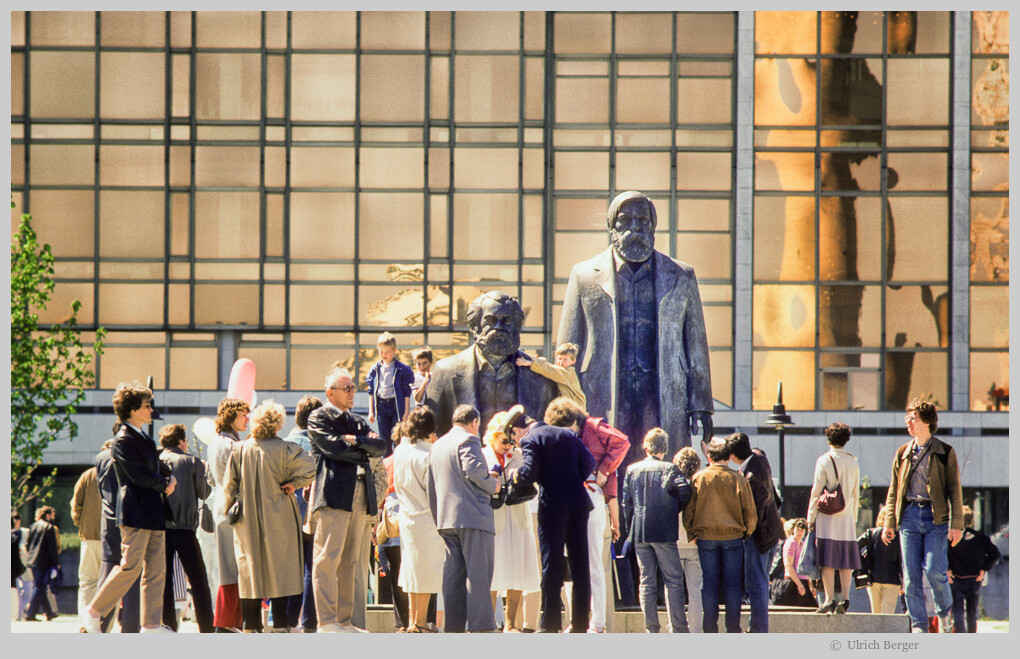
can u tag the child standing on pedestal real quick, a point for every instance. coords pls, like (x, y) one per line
(389, 388)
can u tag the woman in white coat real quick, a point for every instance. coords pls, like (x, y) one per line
(836, 534)
(515, 568)
(422, 549)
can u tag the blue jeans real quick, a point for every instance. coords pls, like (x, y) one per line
(924, 545)
(386, 417)
(756, 584)
(722, 564)
(309, 622)
(655, 557)
(39, 597)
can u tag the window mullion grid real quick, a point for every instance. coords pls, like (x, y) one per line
(818, 375)
(357, 191)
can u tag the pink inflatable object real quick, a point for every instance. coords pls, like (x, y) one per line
(242, 380)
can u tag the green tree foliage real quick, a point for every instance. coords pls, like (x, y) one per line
(49, 367)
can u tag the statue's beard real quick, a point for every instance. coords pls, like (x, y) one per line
(497, 342)
(632, 246)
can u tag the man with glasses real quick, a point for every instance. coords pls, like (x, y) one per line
(142, 480)
(342, 497)
(925, 502)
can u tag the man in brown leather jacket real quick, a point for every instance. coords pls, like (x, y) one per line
(925, 502)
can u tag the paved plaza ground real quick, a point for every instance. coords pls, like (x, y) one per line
(68, 624)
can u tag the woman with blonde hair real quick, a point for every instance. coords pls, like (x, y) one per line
(421, 547)
(515, 565)
(263, 472)
(231, 421)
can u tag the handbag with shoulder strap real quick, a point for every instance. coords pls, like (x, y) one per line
(388, 527)
(831, 501)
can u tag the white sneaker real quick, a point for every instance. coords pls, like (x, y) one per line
(331, 628)
(946, 624)
(162, 629)
(90, 623)
(351, 629)
(917, 630)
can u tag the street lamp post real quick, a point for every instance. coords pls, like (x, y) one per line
(780, 420)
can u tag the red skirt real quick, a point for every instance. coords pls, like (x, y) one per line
(228, 607)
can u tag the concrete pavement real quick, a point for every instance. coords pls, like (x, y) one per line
(68, 624)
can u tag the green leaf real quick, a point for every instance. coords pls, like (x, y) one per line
(49, 367)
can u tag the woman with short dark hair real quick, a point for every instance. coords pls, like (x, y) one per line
(836, 534)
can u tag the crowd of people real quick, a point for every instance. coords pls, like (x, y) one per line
(922, 556)
(516, 517)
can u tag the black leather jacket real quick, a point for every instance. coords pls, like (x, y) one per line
(337, 462)
(192, 487)
(654, 495)
(41, 547)
(769, 529)
(141, 480)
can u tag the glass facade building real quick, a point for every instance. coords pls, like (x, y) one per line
(284, 186)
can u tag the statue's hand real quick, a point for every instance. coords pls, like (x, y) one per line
(702, 422)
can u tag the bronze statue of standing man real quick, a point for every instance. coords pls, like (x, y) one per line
(636, 317)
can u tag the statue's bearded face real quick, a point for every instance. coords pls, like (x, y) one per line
(633, 231)
(499, 329)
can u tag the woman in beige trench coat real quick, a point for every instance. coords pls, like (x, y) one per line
(267, 538)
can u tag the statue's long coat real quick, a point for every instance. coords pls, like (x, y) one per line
(589, 320)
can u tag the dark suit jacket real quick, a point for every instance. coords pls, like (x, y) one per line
(759, 475)
(453, 384)
(142, 479)
(109, 532)
(558, 462)
(41, 547)
(654, 495)
(337, 462)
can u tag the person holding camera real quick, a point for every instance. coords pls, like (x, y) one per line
(516, 568)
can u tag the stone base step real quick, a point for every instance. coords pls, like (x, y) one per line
(782, 620)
